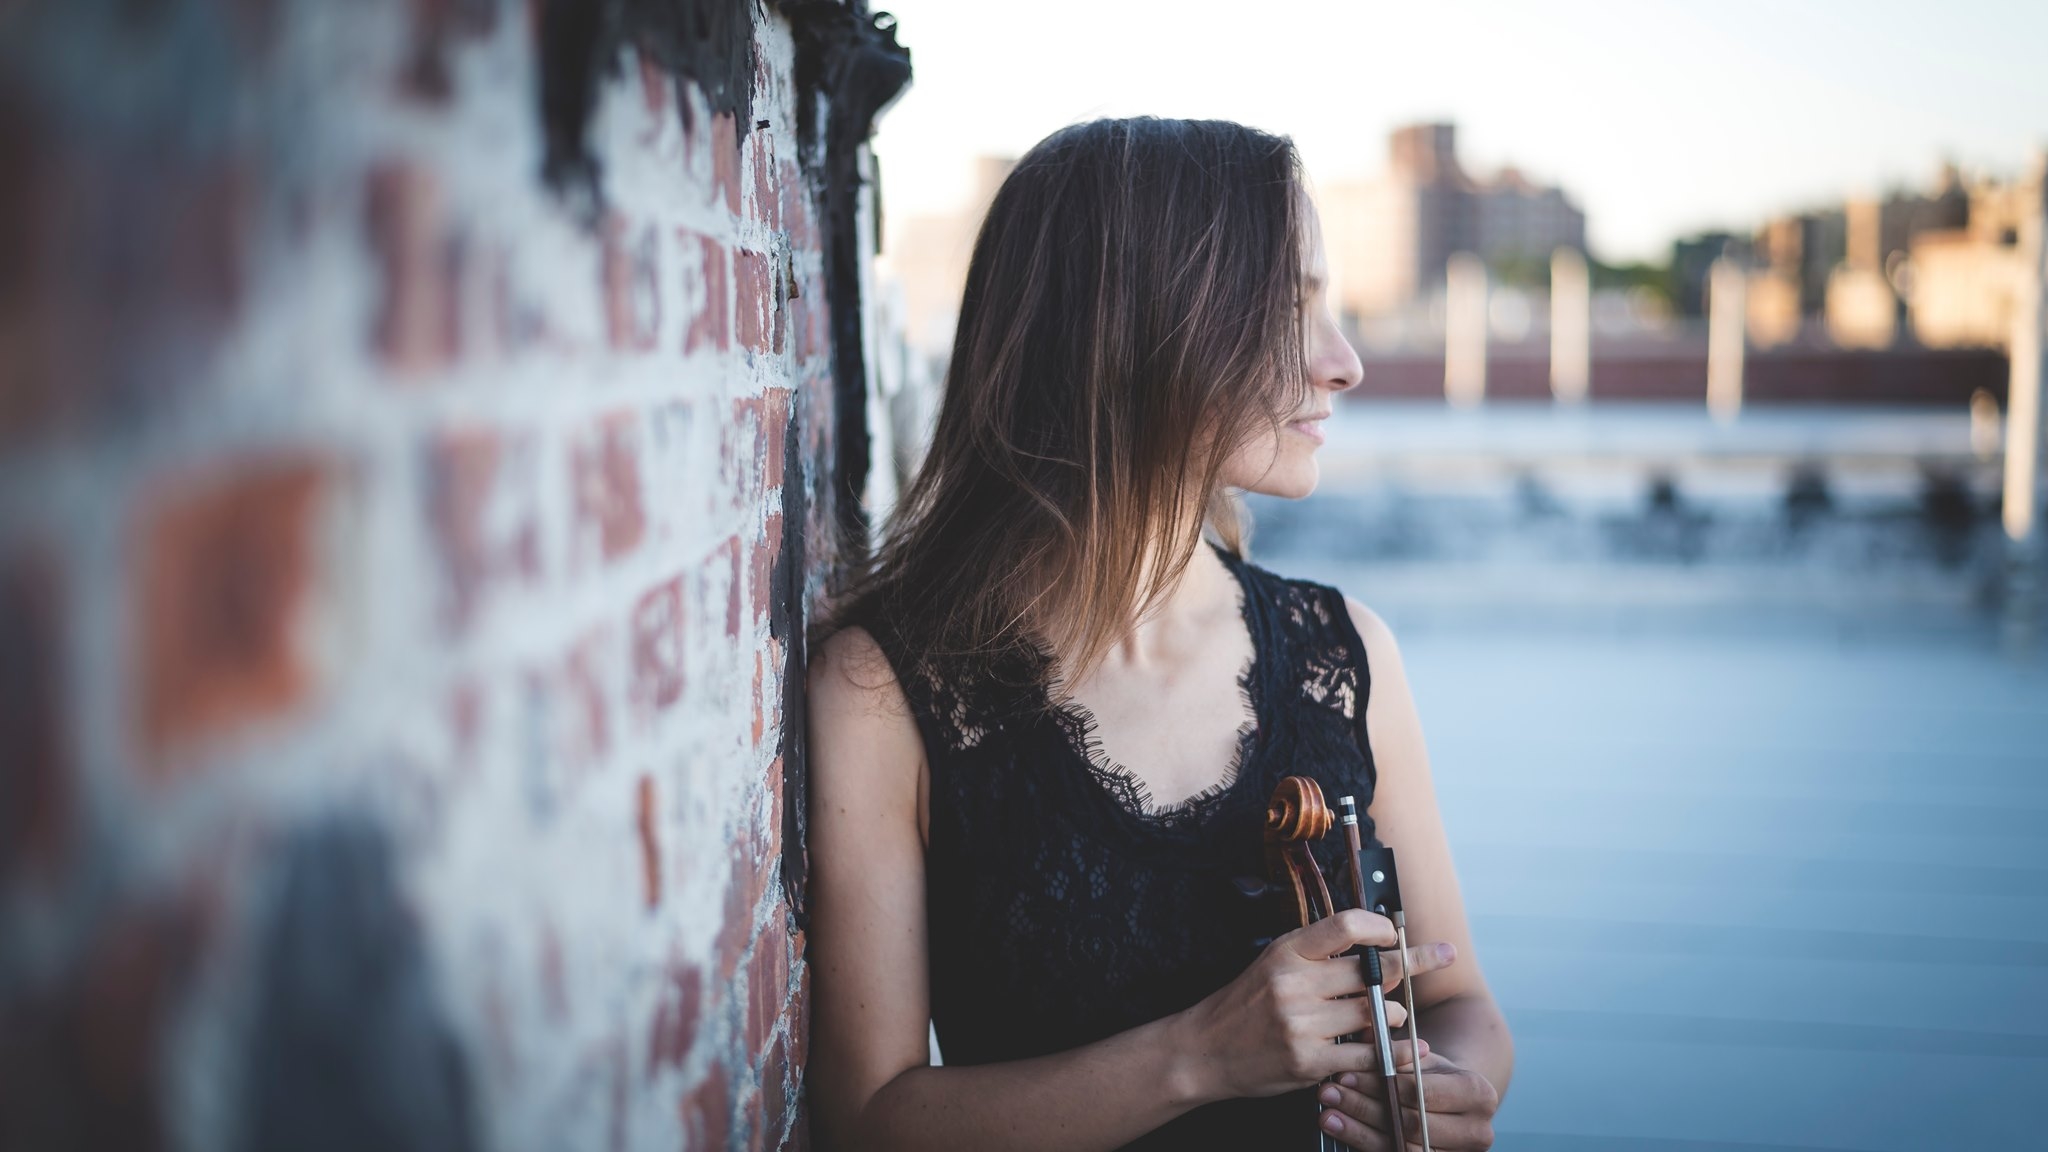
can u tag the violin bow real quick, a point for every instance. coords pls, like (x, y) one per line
(1296, 815)
(1378, 887)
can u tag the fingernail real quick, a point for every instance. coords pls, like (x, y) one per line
(1348, 1080)
(1445, 953)
(1331, 1095)
(1333, 1122)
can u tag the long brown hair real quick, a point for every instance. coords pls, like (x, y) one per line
(1130, 316)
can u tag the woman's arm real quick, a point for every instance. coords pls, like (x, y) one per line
(1458, 1011)
(872, 1085)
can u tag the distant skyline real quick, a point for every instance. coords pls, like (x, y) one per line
(1659, 117)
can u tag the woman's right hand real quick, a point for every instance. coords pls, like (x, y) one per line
(1274, 1028)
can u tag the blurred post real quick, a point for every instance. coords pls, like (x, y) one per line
(1464, 330)
(2023, 413)
(1571, 326)
(1727, 331)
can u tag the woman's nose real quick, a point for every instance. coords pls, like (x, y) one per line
(1335, 364)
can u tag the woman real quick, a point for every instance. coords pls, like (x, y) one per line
(1043, 738)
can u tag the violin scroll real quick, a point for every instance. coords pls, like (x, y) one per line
(1297, 812)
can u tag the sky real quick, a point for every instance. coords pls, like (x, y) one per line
(1659, 117)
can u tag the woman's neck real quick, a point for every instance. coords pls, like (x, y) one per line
(1203, 593)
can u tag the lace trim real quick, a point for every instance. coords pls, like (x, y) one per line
(1077, 725)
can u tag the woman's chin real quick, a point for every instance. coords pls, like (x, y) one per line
(1289, 483)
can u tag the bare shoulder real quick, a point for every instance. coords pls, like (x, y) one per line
(862, 733)
(1382, 652)
(849, 667)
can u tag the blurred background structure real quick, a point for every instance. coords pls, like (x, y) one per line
(1696, 464)
(425, 427)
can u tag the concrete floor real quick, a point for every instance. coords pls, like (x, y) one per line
(1752, 893)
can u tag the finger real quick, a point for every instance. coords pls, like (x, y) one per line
(1353, 1018)
(1337, 976)
(1355, 1104)
(1353, 1134)
(1333, 934)
(1451, 1090)
(1345, 976)
(1405, 1052)
(1396, 965)
(1449, 1130)
(1359, 1061)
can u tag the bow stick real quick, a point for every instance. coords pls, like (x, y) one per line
(1378, 887)
(1296, 815)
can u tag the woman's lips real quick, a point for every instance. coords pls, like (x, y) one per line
(1311, 428)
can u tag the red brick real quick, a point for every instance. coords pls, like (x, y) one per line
(779, 1083)
(35, 788)
(725, 161)
(767, 984)
(754, 300)
(707, 1113)
(554, 983)
(760, 701)
(774, 434)
(418, 324)
(767, 206)
(800, 1008)
(677, 1013)
(813, 322)
(586, 728)
(751, 1119)
(735, 589)
(747, 884)
(645, 817)
(762, 564)
(710, 289)
(632, 286)
(658, 635)
(795, 208)
(223, 584)
(773, 800)
(484, 516)
(605, 471)
(799, 1138)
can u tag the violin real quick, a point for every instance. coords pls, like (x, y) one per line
(1297, 815)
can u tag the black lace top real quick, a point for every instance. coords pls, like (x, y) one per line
(1063, 907)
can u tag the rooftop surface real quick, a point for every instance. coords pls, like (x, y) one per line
(1754, 832)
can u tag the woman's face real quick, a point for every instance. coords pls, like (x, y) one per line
(1283, 462)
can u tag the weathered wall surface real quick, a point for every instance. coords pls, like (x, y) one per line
(419, 443)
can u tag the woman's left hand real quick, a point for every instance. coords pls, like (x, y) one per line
(1461, 1106)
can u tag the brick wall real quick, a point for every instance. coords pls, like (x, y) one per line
(419, 422)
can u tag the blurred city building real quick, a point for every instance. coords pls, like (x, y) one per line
(1910, 296)
(1962, 280)
(1796, 254)
(1391, 237)
(1937, 268)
